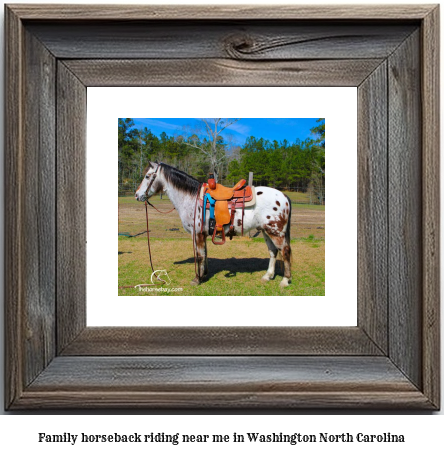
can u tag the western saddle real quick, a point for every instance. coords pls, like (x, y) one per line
(219, 200)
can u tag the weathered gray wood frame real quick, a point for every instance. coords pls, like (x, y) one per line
(390, 360)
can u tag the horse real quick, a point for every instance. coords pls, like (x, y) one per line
(271, 214)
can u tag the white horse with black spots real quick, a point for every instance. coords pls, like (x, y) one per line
(271, 214)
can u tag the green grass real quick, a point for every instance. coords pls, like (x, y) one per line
(312, 207)
(235, 268)
(299, 197)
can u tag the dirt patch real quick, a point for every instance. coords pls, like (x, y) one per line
(306, 221)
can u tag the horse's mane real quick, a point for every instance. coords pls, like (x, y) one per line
(179, 179)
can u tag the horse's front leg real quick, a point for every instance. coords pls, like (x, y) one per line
(201, 264)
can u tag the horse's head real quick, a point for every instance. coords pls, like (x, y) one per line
(161, 275)
(150, 184)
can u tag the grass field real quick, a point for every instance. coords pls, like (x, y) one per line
(235, 269)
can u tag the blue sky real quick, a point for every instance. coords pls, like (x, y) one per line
(279, 129)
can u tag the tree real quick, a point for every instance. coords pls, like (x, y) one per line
(274, 163)
(319, 146)
(319, 132)
(127, 144)
(126, 131)
(318, 173)
(212, 145)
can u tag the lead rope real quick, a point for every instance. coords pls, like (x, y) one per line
(160, 212)
(149, 245)
(148, 239)
(153, 176)
(243, 212)
(196, 269)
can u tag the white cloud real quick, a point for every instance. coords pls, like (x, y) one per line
(158, 123)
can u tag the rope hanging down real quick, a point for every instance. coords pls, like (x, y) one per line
(149, 245)
(196, 268)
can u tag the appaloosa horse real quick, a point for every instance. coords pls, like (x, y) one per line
(271, 214)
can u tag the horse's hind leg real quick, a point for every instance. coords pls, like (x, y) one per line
(286, 255)
(273, 250)
(282, 245)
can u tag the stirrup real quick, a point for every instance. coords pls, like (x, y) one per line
(223, 237)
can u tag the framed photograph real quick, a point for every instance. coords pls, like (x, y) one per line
(277, 143)
(59, 58)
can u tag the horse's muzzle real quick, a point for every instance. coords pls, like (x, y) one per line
(140, 197)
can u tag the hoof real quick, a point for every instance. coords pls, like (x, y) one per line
(195, 281)
(285, 282)
(266, 278)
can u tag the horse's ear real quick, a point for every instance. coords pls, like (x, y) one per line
(153, 164)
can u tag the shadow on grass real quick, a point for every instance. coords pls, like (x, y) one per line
(232, 266)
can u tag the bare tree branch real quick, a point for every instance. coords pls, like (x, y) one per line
(196, 147)
(209, 147)
(228, 124)
(207, 127)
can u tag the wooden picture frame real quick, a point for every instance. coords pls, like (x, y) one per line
(390, 360)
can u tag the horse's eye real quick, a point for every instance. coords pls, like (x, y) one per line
(147, 177)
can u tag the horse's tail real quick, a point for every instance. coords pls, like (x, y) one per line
(287, 231)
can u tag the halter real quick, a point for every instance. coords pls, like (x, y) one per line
(152, 179)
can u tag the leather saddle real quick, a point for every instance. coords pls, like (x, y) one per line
(221, 193)
(219, 201)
